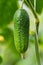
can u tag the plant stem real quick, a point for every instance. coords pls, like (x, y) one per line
(37, 49)
(23, 55)
(28, 2)
(22, 3)
(36, 40)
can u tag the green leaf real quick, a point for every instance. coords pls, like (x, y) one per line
(7, 10)
(39, 6)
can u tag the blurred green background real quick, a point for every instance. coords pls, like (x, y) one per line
(8, 52)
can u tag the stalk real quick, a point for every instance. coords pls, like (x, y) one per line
(22, 3)
(36, 40)
(28, 2)
(23, 56)
(37, 49)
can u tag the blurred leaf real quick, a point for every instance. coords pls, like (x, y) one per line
(8, 55)
(7, 33)
(7, 49)
(39, 6)
(7, 10)
(40, 38)
(0, 59)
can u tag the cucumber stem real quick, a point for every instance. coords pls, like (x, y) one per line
(22, 55)
(22, 3)
(28, 2)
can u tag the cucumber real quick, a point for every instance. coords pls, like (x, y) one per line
(21, 30)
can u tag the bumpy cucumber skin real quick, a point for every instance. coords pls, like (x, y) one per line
(21, 30)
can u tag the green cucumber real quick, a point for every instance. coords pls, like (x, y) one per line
(21, 30)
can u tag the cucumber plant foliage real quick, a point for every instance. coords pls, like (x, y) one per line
(7, 9)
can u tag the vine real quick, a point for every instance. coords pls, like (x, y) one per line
(28, 2)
